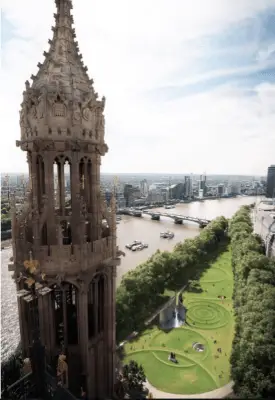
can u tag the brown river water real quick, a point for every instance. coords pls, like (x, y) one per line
(129, 229)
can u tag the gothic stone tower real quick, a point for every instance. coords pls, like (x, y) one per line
(65, 223)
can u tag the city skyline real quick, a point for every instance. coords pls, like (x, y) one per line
(193, 89)
(153, 174)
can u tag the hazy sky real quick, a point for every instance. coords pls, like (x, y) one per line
(190, 84)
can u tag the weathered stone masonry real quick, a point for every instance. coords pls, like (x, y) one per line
(62, 126)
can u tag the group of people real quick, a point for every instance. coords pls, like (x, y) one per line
(172, 358)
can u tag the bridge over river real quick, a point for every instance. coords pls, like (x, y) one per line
(178, 218)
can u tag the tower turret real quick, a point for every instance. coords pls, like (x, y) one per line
(65, 223)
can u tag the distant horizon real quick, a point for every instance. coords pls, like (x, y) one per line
(156, 173)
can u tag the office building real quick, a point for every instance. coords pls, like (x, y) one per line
(270, 184)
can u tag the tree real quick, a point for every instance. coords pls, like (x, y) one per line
(11, 370)
(253, 351)
(133, 376)
(5, 224)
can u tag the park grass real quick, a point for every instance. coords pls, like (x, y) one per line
(210, 322)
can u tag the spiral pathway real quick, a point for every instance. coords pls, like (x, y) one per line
(205, 314)
(209, 323)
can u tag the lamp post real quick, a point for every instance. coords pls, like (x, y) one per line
(35, 286)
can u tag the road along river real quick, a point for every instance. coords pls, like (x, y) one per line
(129, 229)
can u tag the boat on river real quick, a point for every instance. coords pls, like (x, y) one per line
(139, 247)
(167, 235)
(134, 243)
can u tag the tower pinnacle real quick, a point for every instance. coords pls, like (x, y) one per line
(61, 102)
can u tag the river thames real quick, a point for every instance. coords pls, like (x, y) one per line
(129, 229)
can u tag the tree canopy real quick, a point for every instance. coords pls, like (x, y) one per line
(143, 289)
(253, 352)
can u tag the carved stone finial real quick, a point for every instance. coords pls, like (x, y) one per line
(27, 84)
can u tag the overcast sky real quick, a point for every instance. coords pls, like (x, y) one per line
(190, 84)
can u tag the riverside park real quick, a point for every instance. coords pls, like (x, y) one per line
(201, 347)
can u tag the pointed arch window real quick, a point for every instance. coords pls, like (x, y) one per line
(97, 296)
(65, 310)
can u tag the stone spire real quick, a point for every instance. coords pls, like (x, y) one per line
(63, 221)
(61, 102)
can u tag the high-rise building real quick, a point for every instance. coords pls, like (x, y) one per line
(202, 184)
(144, 188)
(131, 193)
(62, 122)
(188, 186)
(270, 185)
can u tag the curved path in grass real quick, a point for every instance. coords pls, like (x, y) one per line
(219, 393)
(209, 322)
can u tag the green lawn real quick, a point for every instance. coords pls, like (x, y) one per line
(208, 319)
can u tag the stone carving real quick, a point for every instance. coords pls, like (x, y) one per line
(22, 120)
(87, 114)
(61, 50)
(27, 84)
(101, 121)
(67, 8)
(27, 368)
(62, 370)
(59, 109)
(89, 97)
(120, 253)
(59, 279)
(48, 145)
(42, 101)
(24, 110)
(28, 131)
(76, 111)
(75, 146)
(83, 207)
(33, 110)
